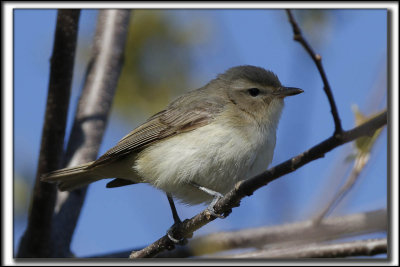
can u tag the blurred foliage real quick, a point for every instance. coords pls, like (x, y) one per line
(157, 62)
(21, 194)
(365, 144)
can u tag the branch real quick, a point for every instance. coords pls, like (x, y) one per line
(35, 241)
(293, 234)
(280, 235)
(247, 187)
(317, 59)
(91, 117)
(368, 247)
(362, 149)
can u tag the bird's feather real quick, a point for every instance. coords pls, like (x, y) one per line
(177, 118)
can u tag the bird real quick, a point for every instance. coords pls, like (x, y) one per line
(200, 145)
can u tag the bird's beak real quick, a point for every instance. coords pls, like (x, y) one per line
(288, 91)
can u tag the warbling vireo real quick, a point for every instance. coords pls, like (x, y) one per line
(200, 145)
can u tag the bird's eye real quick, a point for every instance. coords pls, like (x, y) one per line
(254, 91)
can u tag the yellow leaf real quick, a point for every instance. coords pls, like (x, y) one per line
(364, 144)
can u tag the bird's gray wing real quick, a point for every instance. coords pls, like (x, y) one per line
(177, 118)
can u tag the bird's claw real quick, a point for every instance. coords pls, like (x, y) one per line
(182, 241)
(210, 208)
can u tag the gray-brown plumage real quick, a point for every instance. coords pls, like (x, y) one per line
(252, 118)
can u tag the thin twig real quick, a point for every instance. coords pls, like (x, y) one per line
(277, 236)
(362, 157)
(247, 187)
(358, 248)
(317, 59)
(359, 165)
(36, 239)
(91, 117)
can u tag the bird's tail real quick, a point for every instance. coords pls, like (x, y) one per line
(71, 178)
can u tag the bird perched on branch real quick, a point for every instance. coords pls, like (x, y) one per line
(200, 145)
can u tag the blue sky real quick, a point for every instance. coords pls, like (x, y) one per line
(353, 45)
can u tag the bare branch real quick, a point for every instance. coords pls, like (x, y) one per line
(247, 187)
(317, 59)
(292, 234)
(278, 236)
(368, 247)
(35, 241)
(91, 117)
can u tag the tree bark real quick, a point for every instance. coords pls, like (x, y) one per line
(36, 240)
(91, 117)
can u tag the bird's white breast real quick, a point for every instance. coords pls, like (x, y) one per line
(215, 156)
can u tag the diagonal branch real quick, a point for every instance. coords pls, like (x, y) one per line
(317, 59)
(247, 187)
(35, 240)
(91, 117)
